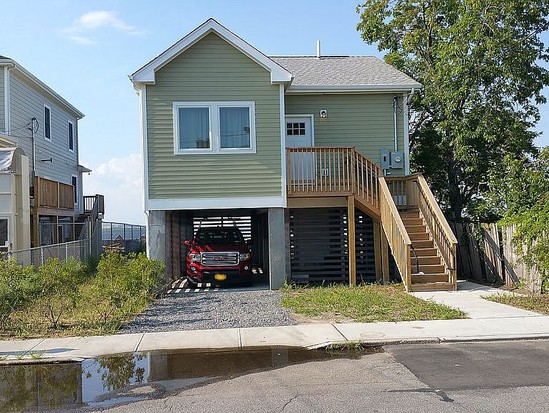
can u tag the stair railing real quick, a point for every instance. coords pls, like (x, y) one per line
(396, 233)
(438, 227)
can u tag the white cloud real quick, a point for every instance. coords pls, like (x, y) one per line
(82, 29)
(120, 181)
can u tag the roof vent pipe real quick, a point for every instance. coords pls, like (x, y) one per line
(318, 49)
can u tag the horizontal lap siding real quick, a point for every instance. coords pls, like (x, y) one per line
(213, 70)
(2, 110)
(362, 121)
(26, 103)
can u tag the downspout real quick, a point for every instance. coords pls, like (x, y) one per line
(406, 133)
(395, 107)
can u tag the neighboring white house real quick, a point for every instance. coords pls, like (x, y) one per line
(44, 127)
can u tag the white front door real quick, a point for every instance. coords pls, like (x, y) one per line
(299, 134)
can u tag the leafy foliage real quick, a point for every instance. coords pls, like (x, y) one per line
(479, 63)
(59, 281)
(521, 194)
(16, 289)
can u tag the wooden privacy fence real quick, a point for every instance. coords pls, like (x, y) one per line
(486, 255)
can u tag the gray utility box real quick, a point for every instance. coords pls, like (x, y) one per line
(391, 160)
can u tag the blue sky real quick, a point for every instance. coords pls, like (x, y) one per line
(86, 49)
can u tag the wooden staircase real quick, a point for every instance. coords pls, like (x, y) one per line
(428, 272)
(413, 226)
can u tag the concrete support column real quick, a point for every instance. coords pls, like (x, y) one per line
(277, 248)
(156, 236)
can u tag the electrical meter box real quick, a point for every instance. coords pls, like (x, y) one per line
(397, 160)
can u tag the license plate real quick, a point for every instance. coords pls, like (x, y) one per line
(220, 277)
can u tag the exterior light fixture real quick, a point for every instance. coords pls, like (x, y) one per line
(323, 113)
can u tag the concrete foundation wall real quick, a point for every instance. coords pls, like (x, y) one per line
(277, 248)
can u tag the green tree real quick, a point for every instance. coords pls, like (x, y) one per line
(479, 62)
(520, 193)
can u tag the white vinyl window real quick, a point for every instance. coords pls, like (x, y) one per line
(214, 127)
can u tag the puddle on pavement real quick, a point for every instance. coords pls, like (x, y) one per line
(112, 380)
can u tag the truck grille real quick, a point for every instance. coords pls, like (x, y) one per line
(219, 259)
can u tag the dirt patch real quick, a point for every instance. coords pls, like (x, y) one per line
(322, 319)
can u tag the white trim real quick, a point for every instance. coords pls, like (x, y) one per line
(282, 117)
(308, 115)
(44, 119)
(406, 133)
(215, 203)
(147, 73)
(352, 89)
(214, 127)
(69, 137)
(7, 103)
(144, 150)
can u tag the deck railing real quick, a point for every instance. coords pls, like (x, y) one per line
(329, 171)
(413, 192)
(396, 233)
(53, 194)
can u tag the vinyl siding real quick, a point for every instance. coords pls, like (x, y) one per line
(2, 110)
(213, 70)
(28, 102)
(363, 121)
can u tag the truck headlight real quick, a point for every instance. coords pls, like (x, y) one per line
(244, 256)
(195, 257)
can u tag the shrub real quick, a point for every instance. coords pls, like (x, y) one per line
(59, 282)
(17, 288)
(122, 286)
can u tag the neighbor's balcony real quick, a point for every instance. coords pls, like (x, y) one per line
(53, 194)
(333, 171)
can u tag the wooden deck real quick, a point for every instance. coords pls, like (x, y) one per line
(343, 173)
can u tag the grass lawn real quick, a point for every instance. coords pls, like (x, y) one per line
(536, 303)
(366, 303)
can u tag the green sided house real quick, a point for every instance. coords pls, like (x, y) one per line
(307, 155)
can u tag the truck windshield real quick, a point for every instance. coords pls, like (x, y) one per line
(219, 236)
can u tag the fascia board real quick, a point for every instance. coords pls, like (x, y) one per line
(353, 89)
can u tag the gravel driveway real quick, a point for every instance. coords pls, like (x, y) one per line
(226, 308)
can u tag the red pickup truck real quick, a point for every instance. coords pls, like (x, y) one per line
(218, 255)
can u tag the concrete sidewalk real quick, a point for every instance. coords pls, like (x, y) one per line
(488, 321)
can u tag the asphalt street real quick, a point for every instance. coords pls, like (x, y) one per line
(498, 377)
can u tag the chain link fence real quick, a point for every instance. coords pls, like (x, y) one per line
(79, 250)
(123, 238)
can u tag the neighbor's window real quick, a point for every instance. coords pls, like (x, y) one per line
(214, 127)
(47, 123)
(71, 136)
(74, 182)
(3, 232)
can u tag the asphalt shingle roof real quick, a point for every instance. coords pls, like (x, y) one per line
(351, 71)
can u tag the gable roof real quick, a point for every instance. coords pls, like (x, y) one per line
(147, 73)
(344, 73)
(11, 63)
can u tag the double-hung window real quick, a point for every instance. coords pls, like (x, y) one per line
(214, 127)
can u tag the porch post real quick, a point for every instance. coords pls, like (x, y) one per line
(351, 239)
(384, 257)
(377, 251)
(277, 248)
